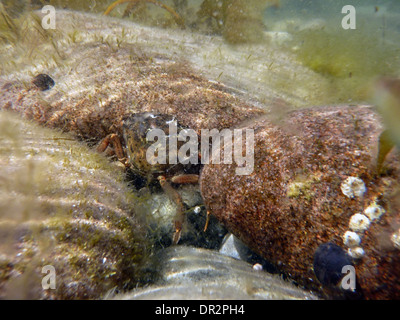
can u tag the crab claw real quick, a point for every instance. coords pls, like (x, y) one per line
(177, 234)
(175, 198)
(207, 221)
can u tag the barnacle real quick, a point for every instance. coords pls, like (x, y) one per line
(353, 187)
(374, 211)
(351, 239)
(356, 252)
(359, 222)
(178, 19)
(396, 239)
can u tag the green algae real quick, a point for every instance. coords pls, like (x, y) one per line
(23, 42)
(301, 186)
(237, 20)
(349, 59)
(385, 145)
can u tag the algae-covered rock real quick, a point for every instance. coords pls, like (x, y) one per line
(186, 272)
(104, 62)
(108, 83)
(63, 206)
(315, 178)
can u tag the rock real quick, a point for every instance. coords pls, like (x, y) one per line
(228, 248)
(64, 206)
(107, 62)
(293, 202)
(100, 83)
(205, 274)
(235, 248)
(127, 86)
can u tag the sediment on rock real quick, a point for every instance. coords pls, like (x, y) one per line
(293, 201)
(63, 207)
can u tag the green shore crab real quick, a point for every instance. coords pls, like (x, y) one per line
(132, 152)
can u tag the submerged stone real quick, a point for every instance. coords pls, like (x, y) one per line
(43, 82)
(67, 209)
(322, 146)
(186, 272)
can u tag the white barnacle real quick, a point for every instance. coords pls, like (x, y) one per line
(359, 222)
(353, 187)
(356, 252)
(396, 239)
(374, 211)
(351, 239)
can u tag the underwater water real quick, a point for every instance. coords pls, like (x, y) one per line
(349, 57)
(317, 84)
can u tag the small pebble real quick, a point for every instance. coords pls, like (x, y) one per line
(257, 267)
(43, 82)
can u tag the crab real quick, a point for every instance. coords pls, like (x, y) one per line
(133, 156)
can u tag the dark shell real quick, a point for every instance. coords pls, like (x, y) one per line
(135, 130)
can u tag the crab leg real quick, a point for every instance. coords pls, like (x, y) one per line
(177, 199)
(207, 221)
(185, 178)
(114, 140)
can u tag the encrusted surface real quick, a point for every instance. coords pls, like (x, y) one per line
(64, 206)
(322, 147)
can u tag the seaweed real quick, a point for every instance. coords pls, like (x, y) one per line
(236, 20)
(385, 145)
(351, 61)
(178, 19)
